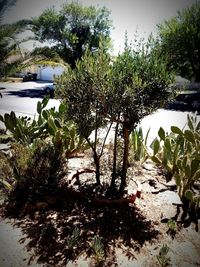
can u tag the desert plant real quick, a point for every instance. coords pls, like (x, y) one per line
(49, 124)
(172, 227)
(138, 145)
(36, 171)
(6, 180)
(73, 240)
(98, 249)
(178, 153)
(162, 258)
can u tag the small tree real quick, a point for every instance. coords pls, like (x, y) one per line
(101, 92)
(83, 89)
(140, 85)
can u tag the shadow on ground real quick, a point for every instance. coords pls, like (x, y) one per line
(51, 233)
(175, 107)
(32, 93)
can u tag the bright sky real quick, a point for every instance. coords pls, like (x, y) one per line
(127, 15)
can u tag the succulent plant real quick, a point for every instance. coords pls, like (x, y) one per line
(179, 153)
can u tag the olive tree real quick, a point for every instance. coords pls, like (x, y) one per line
(83, 89)
(101, 91)
(140, 85)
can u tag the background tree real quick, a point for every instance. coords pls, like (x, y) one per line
(11, 55)
(180, 39)
(5, 5)
(72, 29)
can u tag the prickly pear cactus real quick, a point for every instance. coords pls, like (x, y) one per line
(49, 124)
(179, 154)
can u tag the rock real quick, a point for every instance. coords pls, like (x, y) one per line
(170, 197)
(148, 166)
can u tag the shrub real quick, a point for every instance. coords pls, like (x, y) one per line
(36, 171)
(178, 153)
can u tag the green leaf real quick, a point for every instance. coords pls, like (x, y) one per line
(184, 162)
(52, 125)
(45, 101)
(156, 160)
(189, 122)
(167, 144)
(57, 123)
(146, 137)
(13, 117)
(40, 120)
(188, 171)
(176, 130)
(9, 122)
(39, 107)
(62, 108)
(72, 133)
(189, 195)
(161, 133)
(45, 114)
(156, 147)
(51, 130)
(178, 179)
(189, 136)
(6, 184)
(194, 166)
(179, 165)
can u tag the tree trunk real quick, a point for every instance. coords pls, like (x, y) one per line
(97, 164)
(126, 134)
(112, 185)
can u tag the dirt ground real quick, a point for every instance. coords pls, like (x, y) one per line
(131, 235)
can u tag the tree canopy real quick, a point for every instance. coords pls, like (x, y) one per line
(101, 91)
(10, 52)
(72, 29)
(180, 39)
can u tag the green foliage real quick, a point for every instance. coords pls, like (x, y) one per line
(9, 47)
(5, 173)
(136, 83)
(48, 124)
(172, 226)
(36, 171)
(98, 249)
(72, 29)
(141, 83)
(162, 258)
(179, 41)
(178, 153)
(73, 240)
(138, 145)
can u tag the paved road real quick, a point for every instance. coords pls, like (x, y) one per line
(23, 97)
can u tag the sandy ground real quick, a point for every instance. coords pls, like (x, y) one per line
(155, 204)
